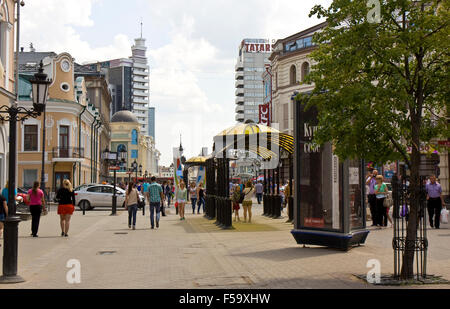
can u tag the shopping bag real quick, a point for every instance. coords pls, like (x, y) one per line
(444, 216)
(404, 211)
(176, 205)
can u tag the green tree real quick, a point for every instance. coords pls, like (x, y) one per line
(381, 87)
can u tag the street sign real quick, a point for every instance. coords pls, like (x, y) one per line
(444, 143)
(114, 168)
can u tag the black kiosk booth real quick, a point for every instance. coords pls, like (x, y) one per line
(329, 194)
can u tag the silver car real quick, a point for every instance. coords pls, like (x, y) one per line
(91, 196)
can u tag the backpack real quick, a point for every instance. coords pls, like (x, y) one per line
(241, 197)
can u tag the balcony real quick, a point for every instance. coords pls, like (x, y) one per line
(239, 100)
(140, 100)
(68, 154)
(140, 87)
(239, 66)
(239, 83)
(239, 75)
(141, 65)
(239, 92)
(140, 73)
(140, 79)
(140, 93)
(240, 117)
(239, 109)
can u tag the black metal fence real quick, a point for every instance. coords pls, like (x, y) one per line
(401, 215)
(272, 206)
(218, 203)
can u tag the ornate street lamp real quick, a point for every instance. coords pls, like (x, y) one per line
(16, 113)
(112, 158)
(40, 85)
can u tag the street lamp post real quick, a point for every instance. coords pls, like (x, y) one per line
(16, 113)
(111, 158)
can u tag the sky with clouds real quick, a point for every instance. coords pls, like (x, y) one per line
(192, 50)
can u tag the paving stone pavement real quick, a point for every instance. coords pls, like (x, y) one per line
(196, 254)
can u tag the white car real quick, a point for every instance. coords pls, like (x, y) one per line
(91, 196)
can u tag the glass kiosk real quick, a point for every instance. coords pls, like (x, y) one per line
(329, 194)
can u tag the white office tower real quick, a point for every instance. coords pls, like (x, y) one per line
(140, 82)
(253, 58)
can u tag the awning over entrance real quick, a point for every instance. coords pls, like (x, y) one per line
(261, 140)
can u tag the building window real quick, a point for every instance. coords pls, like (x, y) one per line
(31, 138)
(29, 177)
(293, 75)
(305, 70)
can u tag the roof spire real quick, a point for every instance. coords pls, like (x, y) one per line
(142, 24)
(181, 147)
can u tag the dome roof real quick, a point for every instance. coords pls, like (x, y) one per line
(124, 116)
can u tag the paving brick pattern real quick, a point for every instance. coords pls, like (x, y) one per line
(196, 254)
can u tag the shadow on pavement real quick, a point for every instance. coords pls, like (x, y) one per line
(294, 253)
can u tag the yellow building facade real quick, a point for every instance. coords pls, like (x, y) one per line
(73, 128)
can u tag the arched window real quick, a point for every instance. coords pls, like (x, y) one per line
(305, 70)
(293, 75)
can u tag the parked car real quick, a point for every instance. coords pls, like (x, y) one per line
(91, 196)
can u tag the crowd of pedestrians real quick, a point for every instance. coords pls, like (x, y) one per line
(380, 201)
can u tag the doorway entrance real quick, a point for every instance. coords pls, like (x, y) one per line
(59, 178)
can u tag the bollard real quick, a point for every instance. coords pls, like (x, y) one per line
(291, 209)
(264, 205)
(277, 207)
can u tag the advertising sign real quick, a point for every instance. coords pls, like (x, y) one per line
(264, 114)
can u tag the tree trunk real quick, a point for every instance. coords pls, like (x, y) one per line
(411, 236)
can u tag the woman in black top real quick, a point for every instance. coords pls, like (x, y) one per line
(66, 201)
(201, 197)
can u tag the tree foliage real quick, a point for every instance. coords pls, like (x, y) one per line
(376, 81)
(381, 87)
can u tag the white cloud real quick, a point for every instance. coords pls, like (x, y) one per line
(50, 26)
(182, 105)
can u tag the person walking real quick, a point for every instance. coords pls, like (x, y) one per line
(168, 192)
(181, 198)
(3, 213)
(259, 191)
(156, 197)
(131, 203)
(235, 199)
(249, 191)
(434, 201)
(193, 196)
(371, 181)
(5, 192)
(37, 205)
(381, 191)
(66, 206)
(201, 197)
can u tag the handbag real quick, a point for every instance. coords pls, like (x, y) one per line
(141, 204)
(404, 211)
(388, 200)
(444, 216)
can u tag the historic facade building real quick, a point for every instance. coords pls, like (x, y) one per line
(7, 79)
(73, 126)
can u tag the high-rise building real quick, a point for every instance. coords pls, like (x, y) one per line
(253, 58)
(151, 122)
(129, 83)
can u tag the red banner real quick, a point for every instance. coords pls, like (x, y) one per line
(264, 114)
